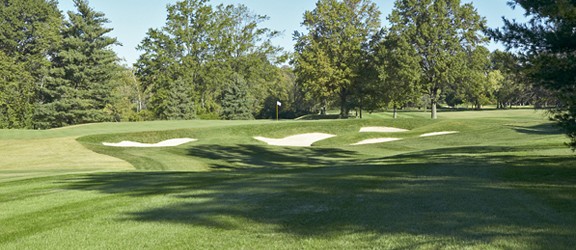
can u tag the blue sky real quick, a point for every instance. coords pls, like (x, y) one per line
(131, 19)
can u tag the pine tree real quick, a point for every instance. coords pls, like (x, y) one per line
(235, 102)
(547, 45)
(83, 71)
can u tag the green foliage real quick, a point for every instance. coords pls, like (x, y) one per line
(474, 80)
(291, 95)
(439, 34)
(16, 94)
(548, 51)
(83, 72)
(515, 87)
(29, 33)
(29, 36)
(512, 89)
(235, 102)
(396, 72)
(329, 59)
(127, 100)
(188, 64)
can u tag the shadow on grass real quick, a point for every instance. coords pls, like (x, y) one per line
(475, 199)
(262, 157)
(541, 129)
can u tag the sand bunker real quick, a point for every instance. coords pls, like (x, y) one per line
(376, 140)
(439, 133)
(382, 130)
(166, 143)
(302, 140)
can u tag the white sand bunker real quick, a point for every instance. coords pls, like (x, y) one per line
(166, 143)
(439, 133)
(376, 140)
(302, 140)
(382, 130)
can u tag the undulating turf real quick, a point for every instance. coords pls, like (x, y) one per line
(506, 181)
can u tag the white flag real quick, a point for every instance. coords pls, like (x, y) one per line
(279, 103)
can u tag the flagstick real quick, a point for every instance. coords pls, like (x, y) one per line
(278, 104)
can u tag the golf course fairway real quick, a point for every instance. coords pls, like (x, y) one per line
(498, 180)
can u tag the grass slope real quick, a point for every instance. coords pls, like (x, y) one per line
(506, 181)
(30, 153)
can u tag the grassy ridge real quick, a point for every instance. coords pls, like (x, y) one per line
(506, 181)
(30, 153)
(222, 145)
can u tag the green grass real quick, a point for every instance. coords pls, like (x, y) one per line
(506, 181)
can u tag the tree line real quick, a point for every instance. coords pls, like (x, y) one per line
(218, 62)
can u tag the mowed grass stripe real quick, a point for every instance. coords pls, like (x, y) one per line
(65, 215)
(411, 199)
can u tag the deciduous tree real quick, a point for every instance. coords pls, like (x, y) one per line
(329, 59)
(396, 72)
(16, 94)
(29, 33)
(201, 52)
(474, 79)
(29, 36)
(438, 33)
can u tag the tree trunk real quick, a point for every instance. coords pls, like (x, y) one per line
(434, 111)
(361, 102)
(433, 102)
(395, 113)
(343, 108)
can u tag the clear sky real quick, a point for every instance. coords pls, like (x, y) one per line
(131, 19)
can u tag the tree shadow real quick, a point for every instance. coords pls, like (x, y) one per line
(262, 157)
(474, 199)
(541, 129)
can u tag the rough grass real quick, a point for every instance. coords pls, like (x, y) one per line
(506, 181)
